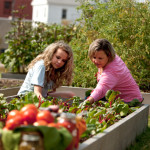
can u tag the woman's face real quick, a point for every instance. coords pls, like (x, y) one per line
(100, 59)
(59, 58)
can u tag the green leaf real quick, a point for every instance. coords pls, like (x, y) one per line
(45, 104)
(124, 110)
(134, 102)
(107, 95)
(113, 95)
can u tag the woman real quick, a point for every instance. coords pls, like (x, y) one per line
(112, 73)
(49, 70)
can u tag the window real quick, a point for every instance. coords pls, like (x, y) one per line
(7, 7)
(64, 14)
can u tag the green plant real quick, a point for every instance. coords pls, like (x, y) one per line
(126, 25)
(26, 41)
(98, 116)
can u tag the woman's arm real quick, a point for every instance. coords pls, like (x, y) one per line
(107, 81)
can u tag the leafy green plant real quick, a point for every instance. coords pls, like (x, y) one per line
(17, 103)
(98, 116)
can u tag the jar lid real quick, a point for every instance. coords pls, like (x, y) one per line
(68, 115)
(30, 137)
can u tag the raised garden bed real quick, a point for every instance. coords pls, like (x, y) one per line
(13, 75)
(81, 93)
(14, 85)
(120, 135)
(10, 87)
(10, 83)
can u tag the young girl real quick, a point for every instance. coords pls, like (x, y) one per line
(49, 70)
(112, 73)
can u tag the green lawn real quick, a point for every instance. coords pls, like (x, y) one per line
(143, 141)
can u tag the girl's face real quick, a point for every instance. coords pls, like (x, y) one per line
(59, 58)
(100, 59)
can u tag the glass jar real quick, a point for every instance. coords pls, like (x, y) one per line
(68, 120)
(31, 141)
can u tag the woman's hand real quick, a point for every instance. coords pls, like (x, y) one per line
(88, 100)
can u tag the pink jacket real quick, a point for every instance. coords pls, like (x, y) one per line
(116, 76)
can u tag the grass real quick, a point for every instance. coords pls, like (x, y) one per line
(142, 142)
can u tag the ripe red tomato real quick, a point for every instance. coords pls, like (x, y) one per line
(70, 126)
(45, 115)
(54, 125)
(29, 116)
(14, 122)
(40, 123)
(13, 114)
(29, 106)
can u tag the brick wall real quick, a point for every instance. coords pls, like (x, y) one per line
(6, 8)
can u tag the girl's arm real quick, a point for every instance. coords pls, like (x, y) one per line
(38, 91)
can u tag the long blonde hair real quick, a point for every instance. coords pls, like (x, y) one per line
(64, 74)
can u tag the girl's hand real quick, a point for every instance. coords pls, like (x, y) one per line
(38, 91)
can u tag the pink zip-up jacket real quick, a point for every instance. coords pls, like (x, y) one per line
(116, 76)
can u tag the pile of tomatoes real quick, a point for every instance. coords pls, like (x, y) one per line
(31, 115)
(28, 115)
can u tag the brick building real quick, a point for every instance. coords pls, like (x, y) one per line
(6, 7)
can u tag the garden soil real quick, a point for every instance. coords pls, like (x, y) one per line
(8, 83)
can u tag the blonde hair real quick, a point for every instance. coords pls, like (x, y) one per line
(64, 74)
(99, 45)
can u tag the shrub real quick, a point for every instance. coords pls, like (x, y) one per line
(126, 25)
